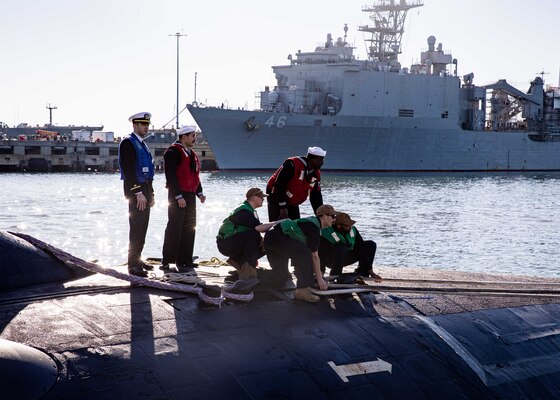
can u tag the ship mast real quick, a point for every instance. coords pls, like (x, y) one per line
(178, 35)
(388, 18)
(50, 108)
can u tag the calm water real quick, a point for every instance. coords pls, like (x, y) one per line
(486, 223)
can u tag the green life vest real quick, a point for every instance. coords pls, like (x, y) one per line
(228, 229)
(291, 228)
(335, 237)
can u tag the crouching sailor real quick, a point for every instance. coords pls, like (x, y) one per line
(343, 245)
(298, 241)
(137, 172)
(239, 237)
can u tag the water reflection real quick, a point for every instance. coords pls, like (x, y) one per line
(492, 223)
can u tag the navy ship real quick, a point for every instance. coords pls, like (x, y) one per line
(375, 115)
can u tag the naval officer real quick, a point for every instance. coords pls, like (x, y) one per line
(137, 172)
(291, 184)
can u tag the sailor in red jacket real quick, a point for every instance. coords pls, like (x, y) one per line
(182, 169)
(291, 184)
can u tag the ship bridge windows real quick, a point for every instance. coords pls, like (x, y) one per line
(92, 151)
(32, 149)
(58, 150)
(6, 149)
(406, 113)
(113, 151)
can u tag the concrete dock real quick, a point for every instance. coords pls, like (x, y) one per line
(81, 156)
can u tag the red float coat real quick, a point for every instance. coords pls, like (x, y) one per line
(299, 186)
(188, 169)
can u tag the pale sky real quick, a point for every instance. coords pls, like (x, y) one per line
(101, 61)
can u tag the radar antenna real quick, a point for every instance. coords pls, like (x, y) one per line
(50, 108)
(542, 74)
(388, 18)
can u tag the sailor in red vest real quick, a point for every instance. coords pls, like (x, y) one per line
(291, 184)
(137, 172)
(182, 168)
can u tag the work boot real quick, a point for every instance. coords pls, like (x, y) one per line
(369, 273)
(304, 294)
(348, 278)
(375, 277)
(147, 267)
(246, 271)
(137, 270)
(186, 269)
(166, 268)
(243, 286)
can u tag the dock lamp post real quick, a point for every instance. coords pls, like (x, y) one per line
(178, 35)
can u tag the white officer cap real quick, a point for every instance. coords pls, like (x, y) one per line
(140, 117)
(186, 129)
(316, 151)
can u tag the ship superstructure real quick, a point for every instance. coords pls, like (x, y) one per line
(375, 115)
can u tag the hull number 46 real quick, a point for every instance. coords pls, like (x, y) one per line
(272, 122)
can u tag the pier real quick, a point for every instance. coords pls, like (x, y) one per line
(82, 156)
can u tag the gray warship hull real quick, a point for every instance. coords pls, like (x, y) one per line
(370, 144)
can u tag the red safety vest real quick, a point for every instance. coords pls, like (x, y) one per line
(300, 185)
(188, 179)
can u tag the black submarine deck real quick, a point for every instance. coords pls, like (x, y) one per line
(113, 340)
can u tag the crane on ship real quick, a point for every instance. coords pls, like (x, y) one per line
(388, 17)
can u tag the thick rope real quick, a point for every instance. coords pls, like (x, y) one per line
(236, 296)
(196, 280)
(182, 278)
(214, 262)
(193, 280)
(217, 301)
(75, 261)
(166, 283)
(56, 252)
